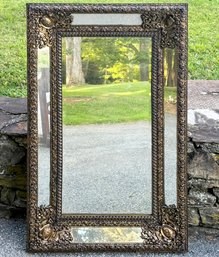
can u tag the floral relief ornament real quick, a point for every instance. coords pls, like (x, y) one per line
(48, 233)
(165, 235)
(168, 23)
(49, 21)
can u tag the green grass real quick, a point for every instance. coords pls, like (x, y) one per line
(203, 40)
(111, 103)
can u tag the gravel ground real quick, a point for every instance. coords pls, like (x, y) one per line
(107, 168)
(110, 163)
(202, 242)
(203, 94)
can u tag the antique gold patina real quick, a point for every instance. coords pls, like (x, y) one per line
(165, 230)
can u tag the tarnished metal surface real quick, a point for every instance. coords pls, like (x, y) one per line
(166, 229)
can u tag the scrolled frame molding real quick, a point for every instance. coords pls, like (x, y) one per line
(166, 230)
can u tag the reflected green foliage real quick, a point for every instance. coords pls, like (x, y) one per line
(118, 59)
(203, 40)
(111, 60)
(111, 103)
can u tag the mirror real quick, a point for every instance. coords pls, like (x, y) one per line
(43, 79)
(170, 121)
(106, 110)
(107, 127)
(106, 235)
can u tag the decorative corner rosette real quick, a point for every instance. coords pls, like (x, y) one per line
(165, 235)
(167, 22)
(47, 22)
(47, 233)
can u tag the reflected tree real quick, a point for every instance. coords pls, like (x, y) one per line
(116, 59)
(106, 60)
(170, 67)
(144, 56)
(74, 72)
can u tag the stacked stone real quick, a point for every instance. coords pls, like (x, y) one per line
(203, 169)
(13, 148)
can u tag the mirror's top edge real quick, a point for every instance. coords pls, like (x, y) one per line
(113, 215)
(108, 8)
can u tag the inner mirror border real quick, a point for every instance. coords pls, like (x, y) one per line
(109, 219)
(166, 229)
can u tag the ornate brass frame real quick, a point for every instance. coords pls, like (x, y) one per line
(166, 229)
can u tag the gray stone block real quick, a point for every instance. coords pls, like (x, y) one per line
(211, 148)
(210, 216)
(14, 176)
(7, 195)
(193, 217)
(203, 166)
(13, 105)
(202, 184)
(200, 198)
(11, 153)
(190, 147)
(15, 129)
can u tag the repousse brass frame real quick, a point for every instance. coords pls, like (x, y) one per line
(165, 230)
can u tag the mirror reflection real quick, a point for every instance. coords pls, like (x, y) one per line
(170, 123)
(106, 234)
(106, 125)
(43, 76)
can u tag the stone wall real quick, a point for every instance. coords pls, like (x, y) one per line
(13, 144)
(203, 162)
(203, 168)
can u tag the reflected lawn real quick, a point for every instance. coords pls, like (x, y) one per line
(108, 103)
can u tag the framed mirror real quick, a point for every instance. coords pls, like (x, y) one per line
(107, 92)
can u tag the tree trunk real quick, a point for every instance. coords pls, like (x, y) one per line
(74, 73)
(175, 67)
(170, 68)
(44, 104)
(144, 51)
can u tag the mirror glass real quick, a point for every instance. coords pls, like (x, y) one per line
(106, 115)
(106, 234)
(170, 124)
(106, 19)
(43, 76)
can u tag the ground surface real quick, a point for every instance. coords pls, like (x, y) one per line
(203, 94)
(202, 242)
(107, 168)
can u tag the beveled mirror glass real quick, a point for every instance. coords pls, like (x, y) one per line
(107, 127)
(106, 116)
